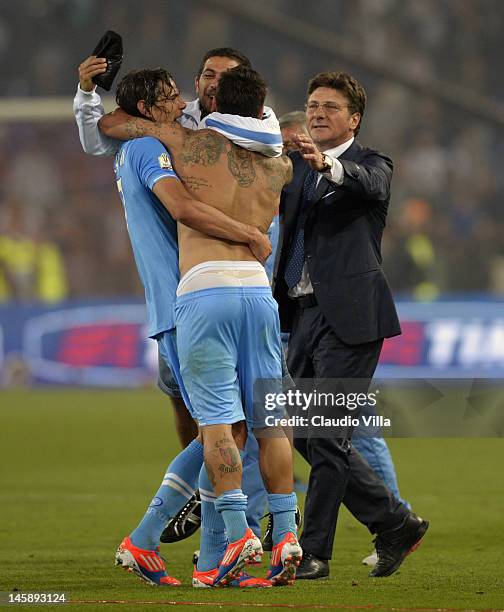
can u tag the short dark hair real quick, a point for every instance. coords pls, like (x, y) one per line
(145, 85)
(228, 52)
(350, 87)
(241, 91)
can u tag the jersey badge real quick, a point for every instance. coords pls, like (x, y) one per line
(165, 161)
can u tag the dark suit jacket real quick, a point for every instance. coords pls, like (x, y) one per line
(343, 234)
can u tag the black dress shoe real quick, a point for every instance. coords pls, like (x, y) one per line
(393, 545)
(311, 568)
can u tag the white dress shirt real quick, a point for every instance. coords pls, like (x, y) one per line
(335, 175)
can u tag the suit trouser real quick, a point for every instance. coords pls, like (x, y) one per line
(338, 472)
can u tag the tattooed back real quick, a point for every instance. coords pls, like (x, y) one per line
(244, 185)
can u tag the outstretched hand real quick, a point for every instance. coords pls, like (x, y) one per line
(91, 67)
(308, 149)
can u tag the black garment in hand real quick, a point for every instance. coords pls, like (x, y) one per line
(110, 47)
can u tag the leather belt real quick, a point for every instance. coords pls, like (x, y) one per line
(306, 301)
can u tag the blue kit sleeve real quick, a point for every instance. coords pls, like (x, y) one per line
(152, 160)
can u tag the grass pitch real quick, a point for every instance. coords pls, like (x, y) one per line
(79, 467)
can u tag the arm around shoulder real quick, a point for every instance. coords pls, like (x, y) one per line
(122, 126)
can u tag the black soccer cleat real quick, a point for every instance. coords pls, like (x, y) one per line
(393, 545)
(267, 542)
(186, 522)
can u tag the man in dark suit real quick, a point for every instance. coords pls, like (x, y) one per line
(335, 301)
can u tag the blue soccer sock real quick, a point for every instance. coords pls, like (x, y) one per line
(213, 539)
(283, 509)
(232, 505)
(177, 487)
(253, 486)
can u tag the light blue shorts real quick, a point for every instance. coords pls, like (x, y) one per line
(229, 347)
(167, 349)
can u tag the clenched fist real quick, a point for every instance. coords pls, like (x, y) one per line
(89, 68)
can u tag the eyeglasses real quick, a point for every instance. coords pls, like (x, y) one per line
(329, 107)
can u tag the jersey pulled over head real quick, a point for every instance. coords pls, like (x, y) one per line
(241, 91)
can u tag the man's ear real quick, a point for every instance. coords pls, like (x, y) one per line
(143, 109)
(196, 83)
(355, 120)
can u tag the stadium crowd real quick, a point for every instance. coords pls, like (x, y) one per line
(446, 217)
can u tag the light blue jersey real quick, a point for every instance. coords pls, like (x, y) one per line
(139, 164)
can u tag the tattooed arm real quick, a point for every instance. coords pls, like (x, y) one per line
(122, 126)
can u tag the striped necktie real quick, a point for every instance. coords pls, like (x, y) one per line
(296, 258)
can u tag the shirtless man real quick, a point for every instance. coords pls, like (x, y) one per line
(88, 109)
(227, 321)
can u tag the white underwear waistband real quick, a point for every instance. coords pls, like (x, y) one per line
(211, 274)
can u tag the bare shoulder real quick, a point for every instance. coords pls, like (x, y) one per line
(287, 168)
(202, 147)
(280, 164)
(277, 171)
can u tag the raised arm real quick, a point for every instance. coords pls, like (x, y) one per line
(208, 220)
(88, 110)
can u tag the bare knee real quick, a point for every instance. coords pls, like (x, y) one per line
(240, 434)
(185, 425)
